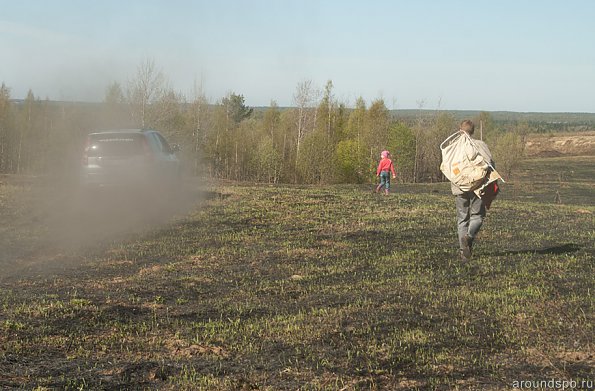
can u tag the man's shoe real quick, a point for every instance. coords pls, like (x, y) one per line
(464, 259)
(466, 247)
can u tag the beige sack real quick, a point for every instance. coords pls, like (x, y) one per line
(462, 164)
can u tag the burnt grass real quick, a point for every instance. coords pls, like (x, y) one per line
(262, 287)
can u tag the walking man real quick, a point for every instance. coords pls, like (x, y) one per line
(470, 208)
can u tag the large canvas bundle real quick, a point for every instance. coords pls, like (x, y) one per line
(462, 162)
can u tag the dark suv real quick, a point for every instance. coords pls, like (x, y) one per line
(128, 157)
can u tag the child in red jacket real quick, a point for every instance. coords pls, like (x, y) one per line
(385, 168)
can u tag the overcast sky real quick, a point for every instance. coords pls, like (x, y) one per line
(456, 55)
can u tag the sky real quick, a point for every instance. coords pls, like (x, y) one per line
(520, 55)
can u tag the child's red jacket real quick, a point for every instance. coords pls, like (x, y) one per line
(386, 165)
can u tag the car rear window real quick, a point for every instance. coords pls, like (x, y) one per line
(115, 145)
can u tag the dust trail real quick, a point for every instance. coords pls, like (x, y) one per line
(50, 226)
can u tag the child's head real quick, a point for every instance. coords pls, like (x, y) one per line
(468, 126)
(384, 154)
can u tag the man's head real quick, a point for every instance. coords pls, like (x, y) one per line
(468, 127)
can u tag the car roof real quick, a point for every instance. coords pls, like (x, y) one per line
(121, 131)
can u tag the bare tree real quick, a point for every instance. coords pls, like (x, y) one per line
(199, 111)
(419, 123)
(115, 111)
(303, 98)
(144, 89)
(328, 104)
(5, 125)
(114, 94)
(166, 113)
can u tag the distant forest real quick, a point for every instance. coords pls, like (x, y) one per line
(317, 140)
(539, 122)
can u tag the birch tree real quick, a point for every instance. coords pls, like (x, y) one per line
(303, 99)
(143, 90)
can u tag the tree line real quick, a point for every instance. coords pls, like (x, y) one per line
(317, 140)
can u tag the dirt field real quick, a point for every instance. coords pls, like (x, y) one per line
(253, 287)
(579, 144)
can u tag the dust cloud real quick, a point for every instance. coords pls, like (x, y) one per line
(53, 222)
